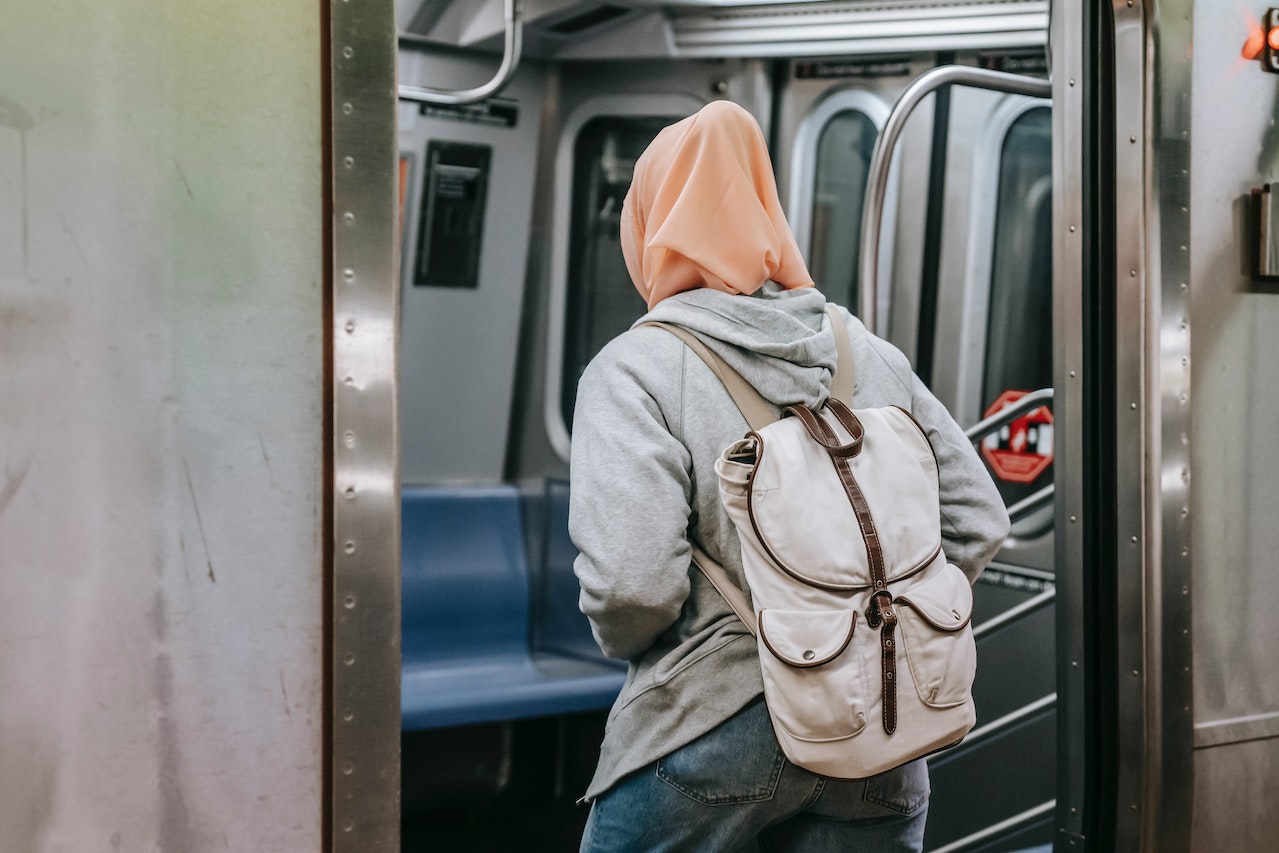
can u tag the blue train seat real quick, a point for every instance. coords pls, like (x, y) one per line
(558, 626)
(468, 655)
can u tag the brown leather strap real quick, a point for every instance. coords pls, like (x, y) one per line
(847, 418)
(879, 611)
(888, 658)
(821, 432)
(874, 552)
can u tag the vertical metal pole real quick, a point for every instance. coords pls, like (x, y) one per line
(364, 770)
(1069, 227)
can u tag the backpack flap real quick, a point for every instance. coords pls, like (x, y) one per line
(805, 638)
(812, 678)
(944, 601)
(936, 637)
(801, 514)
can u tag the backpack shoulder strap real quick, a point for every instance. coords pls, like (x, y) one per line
(754, 408)
(759, 415)
(844, 380)
(724, 584)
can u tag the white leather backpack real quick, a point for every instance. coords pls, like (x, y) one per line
(863, 627)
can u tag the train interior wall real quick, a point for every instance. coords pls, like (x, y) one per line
(1234, 478)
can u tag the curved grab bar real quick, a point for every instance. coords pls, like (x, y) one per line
(1030, 503)
(1009, 413)
(513, 44)
(886, 144)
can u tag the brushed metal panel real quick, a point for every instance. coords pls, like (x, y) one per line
(1152, 114)
(1131, 421)
(1234, 797)
(1237, 730)
(161, 446)
(1169, 772)
(1235, 368)
(364, 769)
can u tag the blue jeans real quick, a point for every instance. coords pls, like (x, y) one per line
(733, 790)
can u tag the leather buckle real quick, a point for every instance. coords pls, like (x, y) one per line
(875, 609)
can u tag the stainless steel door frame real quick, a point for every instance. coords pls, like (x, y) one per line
(1151, 405)
(1147, 416)
(1067, 38)
(363, 771)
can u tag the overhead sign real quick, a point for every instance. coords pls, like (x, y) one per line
(1023, 449)
(828, 69)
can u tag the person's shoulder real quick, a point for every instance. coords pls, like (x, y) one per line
(873, 352)
(640, 353)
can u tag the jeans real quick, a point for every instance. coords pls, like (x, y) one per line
(733, 790)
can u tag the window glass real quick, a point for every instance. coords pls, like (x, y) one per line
(602, 301)
(1019, 323)
(843, 158)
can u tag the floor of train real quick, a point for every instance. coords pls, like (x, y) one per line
(557, 829)
(500, 787)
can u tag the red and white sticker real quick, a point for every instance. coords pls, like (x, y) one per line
(1020, 451)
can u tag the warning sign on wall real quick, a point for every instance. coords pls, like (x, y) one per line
(1020, 451)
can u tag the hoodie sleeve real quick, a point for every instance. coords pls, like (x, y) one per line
(974, 520)
(629, 501)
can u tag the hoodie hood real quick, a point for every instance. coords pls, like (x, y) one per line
(779, 340)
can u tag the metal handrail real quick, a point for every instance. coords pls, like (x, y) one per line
(1009, 413)
(1030, 503)
(1017, 821)
(512, 46)
(886, 144)
(1014, 613)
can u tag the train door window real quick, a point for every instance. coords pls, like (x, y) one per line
(833, 147)
(1018, 353)
(602, 300)
(843, 156)
(592, 297)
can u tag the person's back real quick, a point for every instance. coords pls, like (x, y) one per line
(689, 761)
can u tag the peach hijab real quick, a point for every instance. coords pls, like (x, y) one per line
(702, 210)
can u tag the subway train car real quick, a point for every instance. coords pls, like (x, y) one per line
(294, 299)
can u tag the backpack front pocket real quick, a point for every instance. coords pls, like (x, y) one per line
(812, 676)
(937, 637)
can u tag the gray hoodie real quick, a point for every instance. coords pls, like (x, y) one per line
(649, 423)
